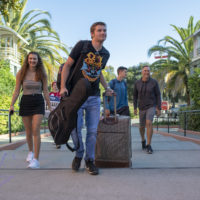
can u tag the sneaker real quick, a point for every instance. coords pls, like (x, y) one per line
(91, 168)
(144, 145)
(76, 163)
(149, 149)
(58, 146)
(29, 157)
(34, 164)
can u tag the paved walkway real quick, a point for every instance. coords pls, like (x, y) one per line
(172, 172)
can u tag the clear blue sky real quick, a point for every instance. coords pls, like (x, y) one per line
(133, 26)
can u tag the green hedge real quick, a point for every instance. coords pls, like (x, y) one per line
(7, 84)
(16, 121)
(193, 119)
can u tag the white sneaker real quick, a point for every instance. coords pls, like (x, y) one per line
(29, 157)
(34, 164)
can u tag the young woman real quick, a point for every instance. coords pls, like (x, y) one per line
(33, 80)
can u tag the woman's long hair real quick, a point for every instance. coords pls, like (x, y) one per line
(40, 70)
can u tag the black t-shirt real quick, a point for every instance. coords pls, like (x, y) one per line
(92, 64)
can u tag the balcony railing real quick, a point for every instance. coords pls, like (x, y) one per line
(10, 54)
(198, 51)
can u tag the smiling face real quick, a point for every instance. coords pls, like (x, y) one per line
(145, 73)
(99, 33)
(32, 60)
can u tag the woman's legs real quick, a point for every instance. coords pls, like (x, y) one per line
(36, 122)
(27, 120)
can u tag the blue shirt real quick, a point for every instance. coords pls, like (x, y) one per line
(120, 89)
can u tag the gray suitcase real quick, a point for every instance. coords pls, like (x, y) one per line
(113, 145)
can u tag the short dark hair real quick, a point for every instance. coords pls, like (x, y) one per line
(121, 68)
(145, 66)
(92, 28)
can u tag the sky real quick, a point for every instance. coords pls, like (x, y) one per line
(133, 26)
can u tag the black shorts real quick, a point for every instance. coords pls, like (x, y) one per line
(31, 105)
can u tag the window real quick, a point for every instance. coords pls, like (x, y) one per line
(198, 42)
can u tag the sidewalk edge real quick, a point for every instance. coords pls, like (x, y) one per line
(178, 137)
(15, 145)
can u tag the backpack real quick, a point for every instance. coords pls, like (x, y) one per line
(58, 82)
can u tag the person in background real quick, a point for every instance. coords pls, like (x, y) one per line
(119, 86)
(55, 91)
(55, 98)
(146, 97)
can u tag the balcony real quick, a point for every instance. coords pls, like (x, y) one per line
(198, 51)
(9, 53)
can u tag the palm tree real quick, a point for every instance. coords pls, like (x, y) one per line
(174, 71)
(39, 34)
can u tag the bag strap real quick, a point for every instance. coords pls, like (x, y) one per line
(82, 54)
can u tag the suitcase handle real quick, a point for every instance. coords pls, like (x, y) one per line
(111, 119)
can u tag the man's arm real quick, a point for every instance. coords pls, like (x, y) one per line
(135, 99)
(65, 74)
(108, 90)
(105, 84)
(126, 95)
(103, 81)
(158, 98)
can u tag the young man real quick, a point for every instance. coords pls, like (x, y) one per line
(119, 86)
(93, 62)
(147, 98)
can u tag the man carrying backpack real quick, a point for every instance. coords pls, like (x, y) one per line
(120, 88)
(92, 57)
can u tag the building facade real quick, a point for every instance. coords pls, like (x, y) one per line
(9, 40)
(196, 51)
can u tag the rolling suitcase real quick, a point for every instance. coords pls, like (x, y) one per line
(113, 145)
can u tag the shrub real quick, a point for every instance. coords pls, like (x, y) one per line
(7, 84)
(193, 119)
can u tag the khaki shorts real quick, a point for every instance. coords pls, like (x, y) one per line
(147, 114)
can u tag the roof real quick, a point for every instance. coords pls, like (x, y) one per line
(14, 32)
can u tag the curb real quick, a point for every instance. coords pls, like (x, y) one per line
(15, 145)
(178, 137)
(12, 146)
(155, 126)
(189, 132)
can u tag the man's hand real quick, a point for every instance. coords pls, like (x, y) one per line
(158, 112)
(63, 91)
(135, 111)
(109, 91)
(107, 112)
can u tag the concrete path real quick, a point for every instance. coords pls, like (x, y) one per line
(172, 172)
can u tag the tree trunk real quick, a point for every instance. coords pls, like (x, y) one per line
(187, 93)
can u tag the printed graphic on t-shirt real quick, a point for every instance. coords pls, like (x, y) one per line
(91, 68)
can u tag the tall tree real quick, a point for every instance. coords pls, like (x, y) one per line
(6, 5)
(173, 72)
(38, 32)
